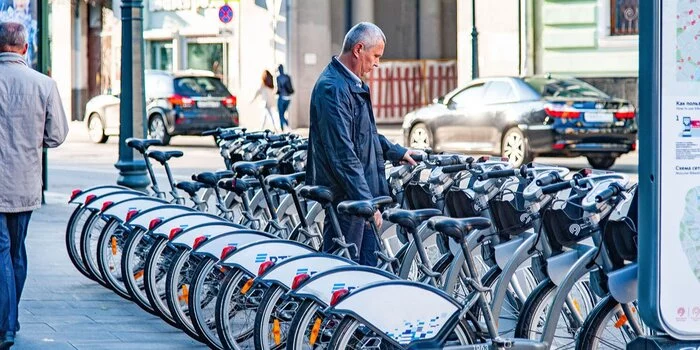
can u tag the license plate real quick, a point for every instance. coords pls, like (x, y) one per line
(597, 117)
(208, 104)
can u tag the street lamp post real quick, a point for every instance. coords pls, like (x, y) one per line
(475, 44)
(132, 172)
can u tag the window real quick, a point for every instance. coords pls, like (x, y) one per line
(565, 87)
(200, 86)
(469, 96)
(499, 92)
(160, 55)
(206, 56)
(624, 17)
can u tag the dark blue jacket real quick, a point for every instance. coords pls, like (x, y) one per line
(345, 151)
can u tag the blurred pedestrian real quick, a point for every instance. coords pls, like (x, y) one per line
(267, 93)
(31, 117)
(345, 151)
(285, 91)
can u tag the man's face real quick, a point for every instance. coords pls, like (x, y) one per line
(369, 57)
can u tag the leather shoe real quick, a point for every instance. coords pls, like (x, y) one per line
(7, 341)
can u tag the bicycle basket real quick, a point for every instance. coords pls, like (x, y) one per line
(620, 236)
(417, 196)
(565, 226)
(508, 212)
(458, 202)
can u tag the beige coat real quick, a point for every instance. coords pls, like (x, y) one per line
(31, 117)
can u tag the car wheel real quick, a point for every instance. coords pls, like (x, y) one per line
(96, 129)
(601, 162)
(420, 137)
(514, 147)
(157, 130)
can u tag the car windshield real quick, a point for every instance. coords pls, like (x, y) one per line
(200, 86)
(568, 87)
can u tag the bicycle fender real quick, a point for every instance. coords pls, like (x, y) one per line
(186, 238)
(402, 310)
(284, 273)
(320, 287)
(183, 222)
(505, 251)
(251, 256)
(115, 197)
(97, 191)
(623, 284)
(214, 246)
(120, 210)
(143, 218)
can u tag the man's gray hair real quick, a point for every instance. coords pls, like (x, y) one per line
(363, 32)
(12, 35)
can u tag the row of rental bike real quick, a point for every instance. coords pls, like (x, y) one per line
(473, 253)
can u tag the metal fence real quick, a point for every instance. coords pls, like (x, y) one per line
(398, 87)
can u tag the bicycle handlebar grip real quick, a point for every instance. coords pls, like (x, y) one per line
(276, 138)
(608, 193)
(454, 168)
(548, 179)
(454, 160)
(496, 174)
(302, 147)
(279, 144)
(418, 157)
(214, 132)
(254, 136)
(556, 187)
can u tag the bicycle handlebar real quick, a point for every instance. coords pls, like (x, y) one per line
(548, 179)
(612, 190)
(497, 173)
(455, 168)
(556, 187)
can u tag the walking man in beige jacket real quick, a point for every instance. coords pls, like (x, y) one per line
(31, 117)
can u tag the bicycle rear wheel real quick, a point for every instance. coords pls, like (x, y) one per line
(608, 326)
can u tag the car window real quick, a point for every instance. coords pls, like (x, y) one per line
(469, 96)
(158, 85)
(200, 86)
(499, 92)
(567, 87)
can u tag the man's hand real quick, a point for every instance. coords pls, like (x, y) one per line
(378, 219)
(407, 158)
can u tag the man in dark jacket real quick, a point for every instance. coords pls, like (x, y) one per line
(285, 91)
(345, 151)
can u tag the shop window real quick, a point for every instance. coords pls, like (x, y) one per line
(206, 56)
(160, 55)
(624, 17)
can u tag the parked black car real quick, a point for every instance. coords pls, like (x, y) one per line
(182, 103)
(521, 118)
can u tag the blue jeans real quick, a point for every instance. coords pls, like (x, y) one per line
(13, 267)
(355, 230)
(282, 106)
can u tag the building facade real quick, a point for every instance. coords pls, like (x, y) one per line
(595, 40)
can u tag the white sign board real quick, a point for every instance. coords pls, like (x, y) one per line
(679, 220)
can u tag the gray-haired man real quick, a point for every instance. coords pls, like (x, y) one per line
(345, 151)
(31, 116)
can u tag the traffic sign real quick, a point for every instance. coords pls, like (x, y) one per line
(225, 13)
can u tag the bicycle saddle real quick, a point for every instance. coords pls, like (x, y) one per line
(211, 179)
(285, 182)
(190, 187)
(458, 228)
(239, 186)
(254, 168)
(410, 219)
(163, 157)
(142, 145)
(364, 208)
(321, 194)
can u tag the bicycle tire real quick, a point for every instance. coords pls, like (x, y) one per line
(92, 228)
(152, 270)
(203, 294)
(109, 244)
(263, 318)
(74, 228)
(133, 272)
(597, 323)
(175, 285)
(231, 287)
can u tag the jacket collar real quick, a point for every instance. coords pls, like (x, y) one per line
(355, 83)
(11, 57)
